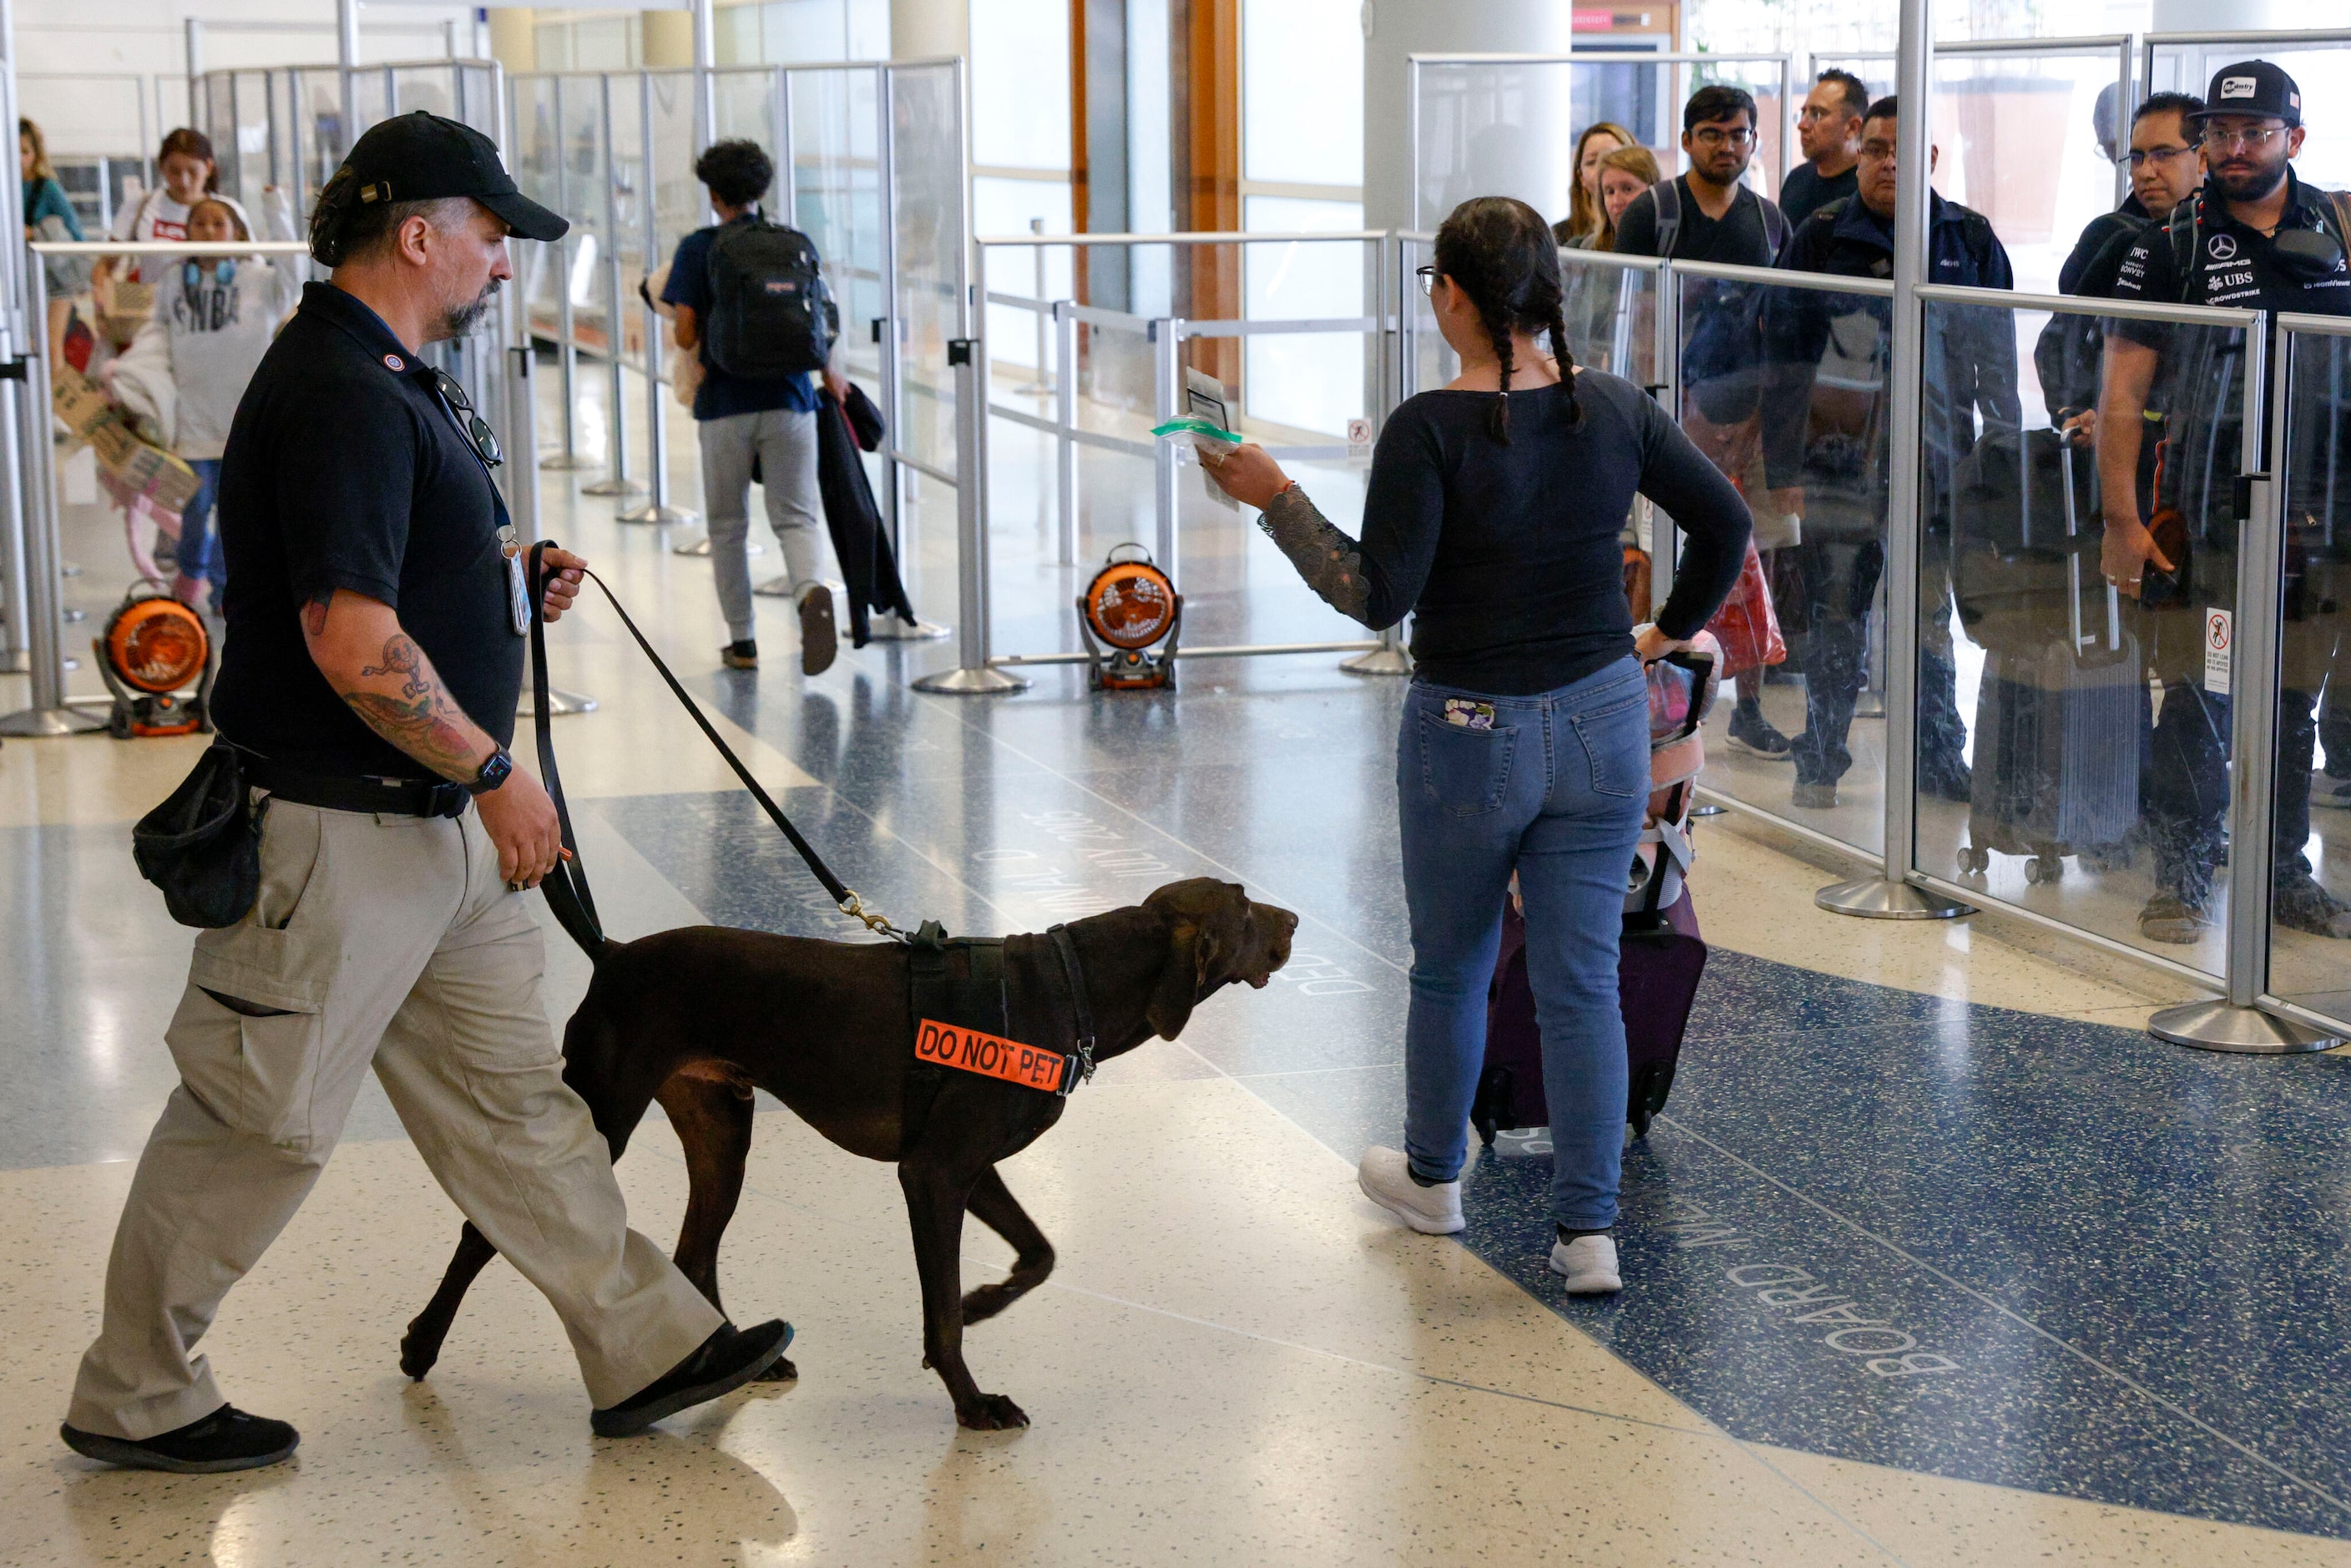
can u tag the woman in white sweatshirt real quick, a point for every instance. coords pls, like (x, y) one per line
(182, 377)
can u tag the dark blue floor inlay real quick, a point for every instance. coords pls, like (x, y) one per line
(1874, 1224)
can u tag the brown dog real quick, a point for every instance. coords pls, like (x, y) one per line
(698, 1017)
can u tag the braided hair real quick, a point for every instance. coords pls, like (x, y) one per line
(1502, 254)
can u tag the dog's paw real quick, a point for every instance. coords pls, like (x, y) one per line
(986, 1302)
(783, 1371)
(416, 1359)
(991, 1413)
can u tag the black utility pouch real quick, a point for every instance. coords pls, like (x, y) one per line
(203, 845)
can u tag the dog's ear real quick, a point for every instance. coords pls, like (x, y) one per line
(1192, 948)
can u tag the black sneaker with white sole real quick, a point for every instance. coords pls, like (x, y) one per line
(227, 1439)
(1751, 733)
(727, 1360)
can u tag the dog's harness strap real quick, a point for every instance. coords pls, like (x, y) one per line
(1079, 1009)
(565, 886)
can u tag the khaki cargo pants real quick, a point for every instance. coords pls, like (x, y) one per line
(390, 942)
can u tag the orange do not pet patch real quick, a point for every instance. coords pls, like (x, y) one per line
(993, 1056)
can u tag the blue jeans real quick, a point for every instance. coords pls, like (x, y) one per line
(200, 551)
(1555, 789)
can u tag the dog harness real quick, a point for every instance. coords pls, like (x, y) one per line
(963, 1022)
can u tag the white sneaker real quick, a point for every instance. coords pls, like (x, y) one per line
(1385, 1177)
(1590, 1264)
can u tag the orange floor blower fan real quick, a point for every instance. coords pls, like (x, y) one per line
(1131, 617)
(159, 661)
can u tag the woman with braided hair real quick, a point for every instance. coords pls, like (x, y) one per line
(1491, 518)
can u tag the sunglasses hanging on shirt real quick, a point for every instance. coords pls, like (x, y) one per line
(475, 429)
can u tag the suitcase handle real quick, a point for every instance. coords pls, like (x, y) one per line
(2074, 566)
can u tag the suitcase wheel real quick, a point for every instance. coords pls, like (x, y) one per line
(1974, 860)
(2047, 866)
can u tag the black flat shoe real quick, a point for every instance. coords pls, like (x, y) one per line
(227, 1439)
(729, 1359)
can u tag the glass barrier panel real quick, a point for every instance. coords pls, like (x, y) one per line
(433, 88)
(219, 106)
(2072, 740)
(679, 204)
(927, 215)
(2310, 876)
(1307, 385)
(319, 93)
(2321, 66)
(1492, 128)
(476, 103)
(370, 92)
(626, 150)
(1611, 314)
(835, 186)
(1429, 360)
(1785, 387)
(584, 182)
(2018, 144)
(534, 157)
(747, 108)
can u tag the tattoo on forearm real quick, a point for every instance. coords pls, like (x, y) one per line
(402, 657)
(421, 718)
(314, 614)
(1331, 562)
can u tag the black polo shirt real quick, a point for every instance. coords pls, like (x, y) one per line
(2234, 264)
(343, 469)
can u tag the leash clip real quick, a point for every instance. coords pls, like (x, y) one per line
(880, 923)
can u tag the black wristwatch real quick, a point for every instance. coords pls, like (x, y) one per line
(493, 773)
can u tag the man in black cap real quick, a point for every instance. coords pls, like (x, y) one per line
(376, 618)
(2252, 237)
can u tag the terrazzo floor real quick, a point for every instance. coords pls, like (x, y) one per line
(1891, 1147)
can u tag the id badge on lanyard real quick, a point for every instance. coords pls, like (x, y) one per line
(509, 542)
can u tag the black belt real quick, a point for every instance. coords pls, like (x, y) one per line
(358, 793)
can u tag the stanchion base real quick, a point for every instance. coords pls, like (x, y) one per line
(1875, 898)
(971, 683)
(561, 462)
(614, 487)
(891, 629)
(1708, 809)
(701, 546)
(33, 723)
(660, 517)
(2249, 1032)
(558, 704)
(1379, 662)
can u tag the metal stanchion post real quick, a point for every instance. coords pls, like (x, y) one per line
(1166, 400)
(568, 345)
(656, 509)
(1042, 382)
(1065, 415)
(49, 714)
(1390, 658)
(973, 677)
(1890, 895)
(15, 609)
(2235, 1023)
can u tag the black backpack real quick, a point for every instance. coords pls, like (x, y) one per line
(771, 312)
(1667, 195)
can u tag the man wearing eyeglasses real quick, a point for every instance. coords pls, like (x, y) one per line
(1709, 215)
(1828, 127)
(376, 616)
(2252, 237)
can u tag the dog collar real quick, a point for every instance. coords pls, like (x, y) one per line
(1067, 947)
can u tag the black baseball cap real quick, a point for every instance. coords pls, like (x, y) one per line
(2252, 88)
(422, 157)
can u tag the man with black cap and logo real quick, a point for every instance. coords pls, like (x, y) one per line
(377, 615)
(2254, 237)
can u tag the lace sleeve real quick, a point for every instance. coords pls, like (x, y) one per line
(1328, 560)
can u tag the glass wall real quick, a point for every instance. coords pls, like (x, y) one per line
(2019, 134)
(2320, 65)
(927, 233)
(2310, 920)
(1785, 385)
(2073, 737)
(1492, 128)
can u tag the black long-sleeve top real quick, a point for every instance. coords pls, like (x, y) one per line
(1508, 557)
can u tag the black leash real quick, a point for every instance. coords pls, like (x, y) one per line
(567, 885)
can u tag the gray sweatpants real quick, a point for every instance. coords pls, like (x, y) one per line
(388, 941)
(785, 445)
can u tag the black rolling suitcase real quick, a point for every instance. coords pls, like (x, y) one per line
(2057, 734)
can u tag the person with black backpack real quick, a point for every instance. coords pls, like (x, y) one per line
(1710, 215)
(2252, 236)
(751, 300)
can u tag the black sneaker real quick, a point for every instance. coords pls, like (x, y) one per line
(227, 1439)
(1751, 733)
(729, 1359)
(2303, 905)
(819, 645)
(742, 655)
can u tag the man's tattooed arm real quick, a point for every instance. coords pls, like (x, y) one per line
(372, 664)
